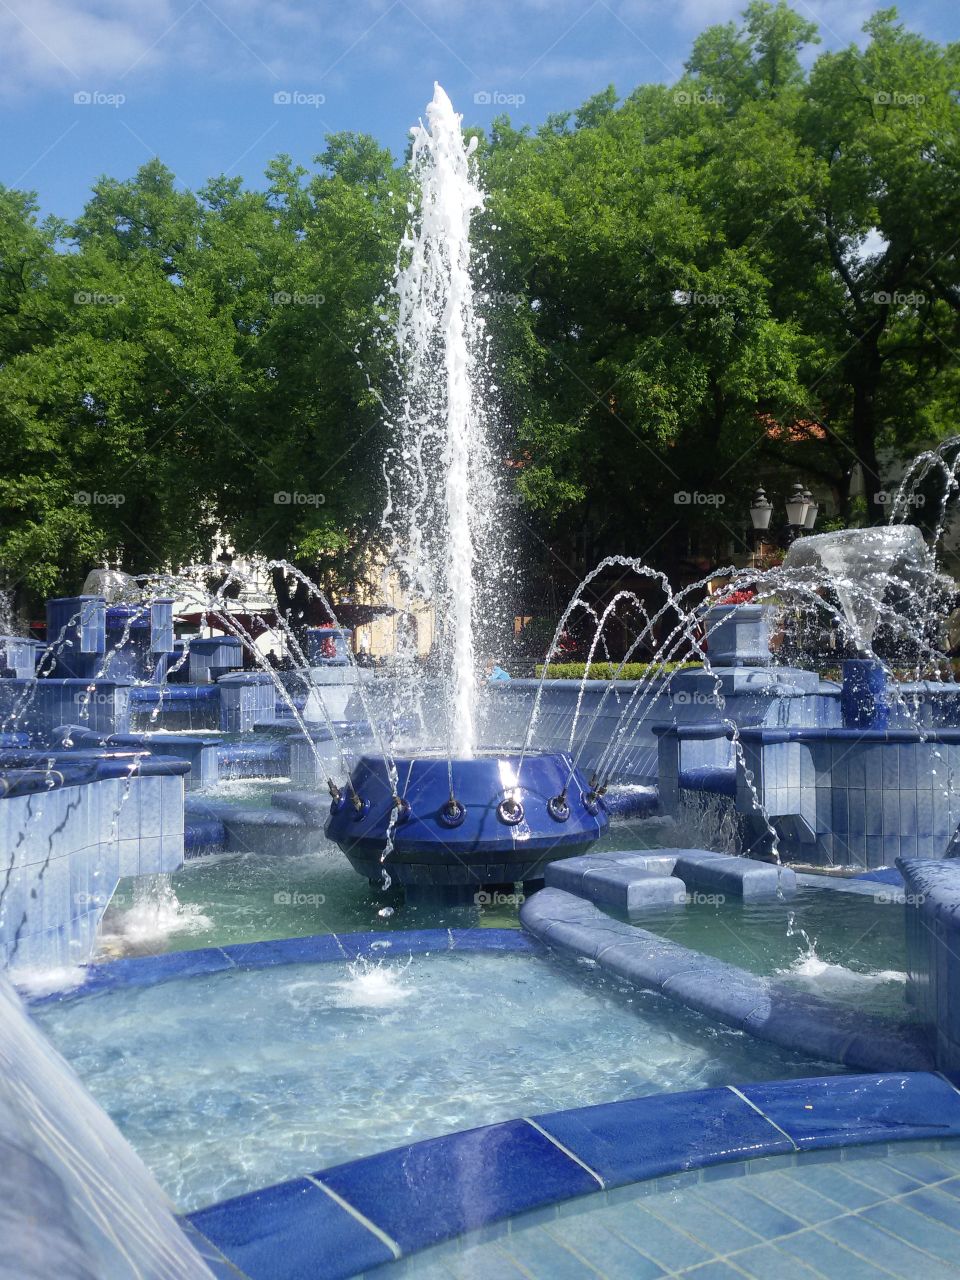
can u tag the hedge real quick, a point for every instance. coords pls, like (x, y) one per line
(606, 670)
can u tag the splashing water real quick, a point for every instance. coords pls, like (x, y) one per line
(155, 913)
(441, 485)
(372, 985)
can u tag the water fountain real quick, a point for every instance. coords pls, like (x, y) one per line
(464, 817)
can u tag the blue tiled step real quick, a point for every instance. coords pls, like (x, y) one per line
(632, 881)
(339, 1221)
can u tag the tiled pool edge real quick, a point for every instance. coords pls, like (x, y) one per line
(316, 948)
(576, 927)
(360, 1215)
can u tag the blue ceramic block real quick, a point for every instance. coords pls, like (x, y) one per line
(835, 1110)
(839, 818)
(857, 813)
(437, 1189)
(864, 697)
(646, 1137)
(907, 760)
(890, 767)
(890, 812)
(290, 1231)
(856, 766)
(873, 769)
(739, 635)
(873, 815)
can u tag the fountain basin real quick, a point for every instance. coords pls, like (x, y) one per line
(488, 844)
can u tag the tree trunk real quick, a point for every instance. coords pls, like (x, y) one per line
(865, 378)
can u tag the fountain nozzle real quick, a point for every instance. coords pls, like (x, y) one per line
(510, 811)
(558, 808)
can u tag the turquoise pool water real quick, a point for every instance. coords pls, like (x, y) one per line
(228, 1082)
(249, 897)
(847, 947)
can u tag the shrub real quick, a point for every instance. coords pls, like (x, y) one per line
(606, 670)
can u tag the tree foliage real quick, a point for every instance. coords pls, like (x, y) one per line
(749, 275)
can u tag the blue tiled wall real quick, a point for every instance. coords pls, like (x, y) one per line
(62, 852)
(933, 952)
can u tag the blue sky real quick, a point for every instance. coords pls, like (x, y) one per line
(216, 86)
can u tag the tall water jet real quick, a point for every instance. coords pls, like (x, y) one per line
(473, 818)
(440, 477)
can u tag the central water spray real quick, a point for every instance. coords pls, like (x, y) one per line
(441, 482)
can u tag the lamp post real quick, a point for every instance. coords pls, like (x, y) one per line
(802, 510)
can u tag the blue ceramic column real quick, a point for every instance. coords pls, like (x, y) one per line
(864, 698)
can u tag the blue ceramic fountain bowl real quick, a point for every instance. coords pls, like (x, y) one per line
(506, 824)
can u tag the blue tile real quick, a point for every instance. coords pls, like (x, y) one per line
(767, 1262)
(545, 1258)
(646, 1137)
(290, 1231)
(931, 1202)
(896, 1255)
(830, 1181)
(946, 1182)
(485, 1262)
(603, 1249)
(804, 1202)
(909, 1224)
(763, 1218)
(880, 1176)
(669, 1248)
(708, 1226)
(857, 813)
(714, 1271)
(830, 1258)
(432, 1190)
(860, 1109)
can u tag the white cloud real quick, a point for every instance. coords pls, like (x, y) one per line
(50, 41)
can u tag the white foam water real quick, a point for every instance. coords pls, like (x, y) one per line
(442, 486)
(372, 985)
(828, 977)
(155, 914)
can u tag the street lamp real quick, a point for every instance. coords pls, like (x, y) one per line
(797, 505)
(761, 509)
(802, 511)
(810, 519)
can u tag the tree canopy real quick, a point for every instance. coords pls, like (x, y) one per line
(747, 276)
